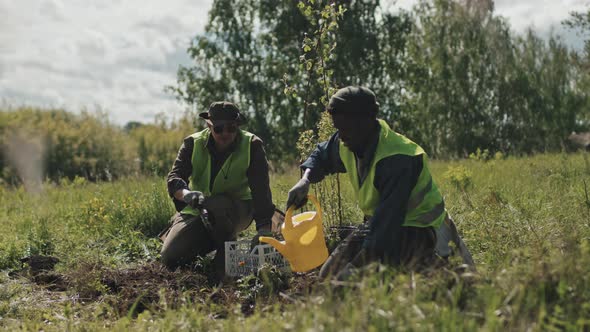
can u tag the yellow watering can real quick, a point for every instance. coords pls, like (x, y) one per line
(304, 246)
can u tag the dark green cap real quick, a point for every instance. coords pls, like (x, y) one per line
(353, 100)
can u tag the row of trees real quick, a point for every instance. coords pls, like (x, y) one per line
(449, 74)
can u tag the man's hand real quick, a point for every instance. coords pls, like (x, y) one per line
(298, 194)
(194, 199)
(256, 239)
(346, 272)
(265, 231)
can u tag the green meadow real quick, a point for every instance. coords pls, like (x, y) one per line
(525, 219)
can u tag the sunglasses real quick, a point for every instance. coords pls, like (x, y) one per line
(229, 127)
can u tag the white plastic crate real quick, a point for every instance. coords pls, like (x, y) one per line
(241, 261)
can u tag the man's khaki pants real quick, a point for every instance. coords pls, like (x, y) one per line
(188, 237)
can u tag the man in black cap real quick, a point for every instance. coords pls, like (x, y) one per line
(391, 180)
(219, 182)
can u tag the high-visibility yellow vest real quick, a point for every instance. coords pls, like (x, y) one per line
(425, 205)
(231, 178)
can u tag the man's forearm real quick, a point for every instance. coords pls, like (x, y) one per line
(324, 160)
(395, 177)
(306, 174)
(259, 183)
(362, 258)
(181, 169)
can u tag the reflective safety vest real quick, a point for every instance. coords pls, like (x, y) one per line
(425, 206)
(231, 178)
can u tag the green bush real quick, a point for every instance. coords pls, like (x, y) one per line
(459, 176)
(70, 148)
(157, 144)
(54, 144)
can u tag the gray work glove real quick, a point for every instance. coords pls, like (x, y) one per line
(298, 194)
(194, 199)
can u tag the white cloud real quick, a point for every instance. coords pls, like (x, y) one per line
(539, 14)
(54, 9)
(120, 54)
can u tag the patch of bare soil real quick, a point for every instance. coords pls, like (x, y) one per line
(135, 289)
(152, 287)
(39, 269)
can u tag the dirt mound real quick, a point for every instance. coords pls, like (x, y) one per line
(39, 269)
(151, 286)
(40, 263)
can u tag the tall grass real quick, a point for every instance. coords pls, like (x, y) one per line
(526, 221)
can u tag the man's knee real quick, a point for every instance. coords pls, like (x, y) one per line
(186, 239)
(174, 254)
(168, 258)
(174, 257)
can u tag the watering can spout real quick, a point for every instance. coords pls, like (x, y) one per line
(280, 246)
(304, 246)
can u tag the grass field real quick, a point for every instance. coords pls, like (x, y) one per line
(526, 221)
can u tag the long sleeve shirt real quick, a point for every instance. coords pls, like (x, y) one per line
(257, 173)
(395, 177)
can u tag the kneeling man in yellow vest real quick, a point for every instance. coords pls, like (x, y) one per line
(219, 182)
(407, 223)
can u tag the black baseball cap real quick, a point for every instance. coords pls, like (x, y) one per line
(353, 100)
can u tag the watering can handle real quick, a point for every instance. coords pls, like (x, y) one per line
(289, 213)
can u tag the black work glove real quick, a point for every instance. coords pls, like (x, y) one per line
(265, 231)
(360, 260)
(194, 199)
(298, 194)
(346, 272)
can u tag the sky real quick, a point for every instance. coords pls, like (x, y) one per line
(118, 55)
